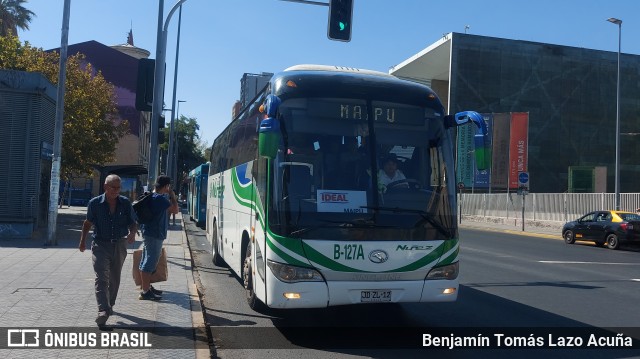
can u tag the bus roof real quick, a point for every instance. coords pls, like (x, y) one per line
(353, 70)
(337, 81)
(200, 169)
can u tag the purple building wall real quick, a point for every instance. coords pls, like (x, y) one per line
(119, 69)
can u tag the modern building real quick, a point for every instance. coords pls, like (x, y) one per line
(251, 84)
(569, 94)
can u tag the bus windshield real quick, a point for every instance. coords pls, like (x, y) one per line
(362, 170)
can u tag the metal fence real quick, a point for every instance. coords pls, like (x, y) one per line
(560, 207)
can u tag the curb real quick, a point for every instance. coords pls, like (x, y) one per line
(513, 231)
(197, 318)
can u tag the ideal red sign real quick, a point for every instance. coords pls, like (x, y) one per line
(334, 197)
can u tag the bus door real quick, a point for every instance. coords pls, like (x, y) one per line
(217, 199)
(258, 171)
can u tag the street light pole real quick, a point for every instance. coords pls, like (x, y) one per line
(174, 115)
(175, 150)
(158, 89)
(618, 22)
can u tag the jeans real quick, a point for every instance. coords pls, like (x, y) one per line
(151, 250)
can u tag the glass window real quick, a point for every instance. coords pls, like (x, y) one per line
(329, 175)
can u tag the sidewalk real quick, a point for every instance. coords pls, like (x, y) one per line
(52, 287)
(545, 228)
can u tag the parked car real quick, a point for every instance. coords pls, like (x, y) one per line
(604, 227)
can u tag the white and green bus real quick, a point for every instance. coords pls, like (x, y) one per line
(297, 205)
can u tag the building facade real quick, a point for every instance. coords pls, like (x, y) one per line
(119, 66)
(27, 119)
(569, 94)
(251, 84)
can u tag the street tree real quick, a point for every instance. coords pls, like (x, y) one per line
(14, 15)
(92, 128)
(189, 145)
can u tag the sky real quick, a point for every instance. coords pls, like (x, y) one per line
(222, 40)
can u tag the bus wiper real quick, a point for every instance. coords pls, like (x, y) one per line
(304, 230)
(437, 225)
(359, 223)
(365, 223)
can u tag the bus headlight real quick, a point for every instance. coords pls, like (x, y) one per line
(291, 274)
(449, 271)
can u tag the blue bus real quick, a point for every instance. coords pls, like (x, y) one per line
(197, 194)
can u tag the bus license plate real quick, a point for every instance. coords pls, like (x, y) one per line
(375, 296)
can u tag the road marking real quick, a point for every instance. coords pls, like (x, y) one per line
(577, 262)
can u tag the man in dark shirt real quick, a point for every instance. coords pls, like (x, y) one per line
(114, 225)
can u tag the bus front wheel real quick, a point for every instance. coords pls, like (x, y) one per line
(247, 279)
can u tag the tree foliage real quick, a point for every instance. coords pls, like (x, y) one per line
(189, 145)
(13, 16)
(91, 127)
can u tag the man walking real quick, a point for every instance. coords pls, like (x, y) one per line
(163, 203)
(114, 225)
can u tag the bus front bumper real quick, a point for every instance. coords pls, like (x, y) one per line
(320, 294)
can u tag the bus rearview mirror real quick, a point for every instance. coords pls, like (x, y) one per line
(269, 138)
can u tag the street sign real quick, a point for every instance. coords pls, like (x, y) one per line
(523, 180)
(523, 183)
(523, 177)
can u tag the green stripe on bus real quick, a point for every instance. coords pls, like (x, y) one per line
(324, 261)
(449, 244)
(451, 258)
(422, 262)
(242, 194)
(291, 244)
(286, 257)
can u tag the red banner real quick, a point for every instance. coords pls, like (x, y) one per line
(518, 146)
(500, 152)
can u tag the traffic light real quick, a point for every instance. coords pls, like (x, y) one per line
(340, 15)
(161, 123)
(144, 84)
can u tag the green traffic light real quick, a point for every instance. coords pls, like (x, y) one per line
(340, 17)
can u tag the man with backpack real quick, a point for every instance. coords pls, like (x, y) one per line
(154, 232)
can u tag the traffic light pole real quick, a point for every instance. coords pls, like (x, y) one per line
(156, 105)
(171, 156)
(158, 89)
(309, 2)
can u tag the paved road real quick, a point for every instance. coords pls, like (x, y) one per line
(581, 282)
(510, 283)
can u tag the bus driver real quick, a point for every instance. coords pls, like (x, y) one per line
(389, 173)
